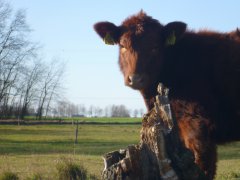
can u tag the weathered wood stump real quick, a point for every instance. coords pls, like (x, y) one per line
(160, 153)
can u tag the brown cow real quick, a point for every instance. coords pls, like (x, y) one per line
(202, 70)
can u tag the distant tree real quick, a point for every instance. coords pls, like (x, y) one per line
(75, 110)
(135, 113)
(82, 109)
(50, 86)
(54, 112)
(91, 111)
(55, 89)
(98, 111)
(31, 79)
(107, 111)
(61, 108)
(119, 111)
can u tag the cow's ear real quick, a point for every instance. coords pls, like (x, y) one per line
(109, 32)
(173, 31)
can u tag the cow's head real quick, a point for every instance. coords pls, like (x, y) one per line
(142, 42)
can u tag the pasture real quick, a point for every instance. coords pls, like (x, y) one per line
(29, 150)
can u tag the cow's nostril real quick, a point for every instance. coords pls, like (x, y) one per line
(136, 81)
(130, 80)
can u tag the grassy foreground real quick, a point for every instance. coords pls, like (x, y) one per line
(37, 149)
(29, 150)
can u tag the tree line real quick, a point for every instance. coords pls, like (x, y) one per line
(68, 109)
(26, 81)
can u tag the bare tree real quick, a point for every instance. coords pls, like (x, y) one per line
(15, 51)
(62, 108)
(91, 111)
(135, 113)
(56, 86)
(49, 87)
(29, 88)
(98, 111)
(81, 110)
(107, 111)
(119, 111)
(24, 79)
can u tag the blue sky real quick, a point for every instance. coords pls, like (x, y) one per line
(65, 30)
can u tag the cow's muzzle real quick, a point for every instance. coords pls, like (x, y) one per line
(136, 81)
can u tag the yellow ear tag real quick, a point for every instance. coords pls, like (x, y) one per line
(108, 39)
(171, 40)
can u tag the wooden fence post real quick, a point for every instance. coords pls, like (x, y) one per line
(76, 134)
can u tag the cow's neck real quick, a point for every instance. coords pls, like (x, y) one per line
(149, 97)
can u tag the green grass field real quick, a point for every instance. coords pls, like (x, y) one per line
(29, 150)
(91, 119)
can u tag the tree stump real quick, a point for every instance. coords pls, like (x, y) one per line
(160, 153)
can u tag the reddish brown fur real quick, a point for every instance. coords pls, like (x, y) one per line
(202, 70)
